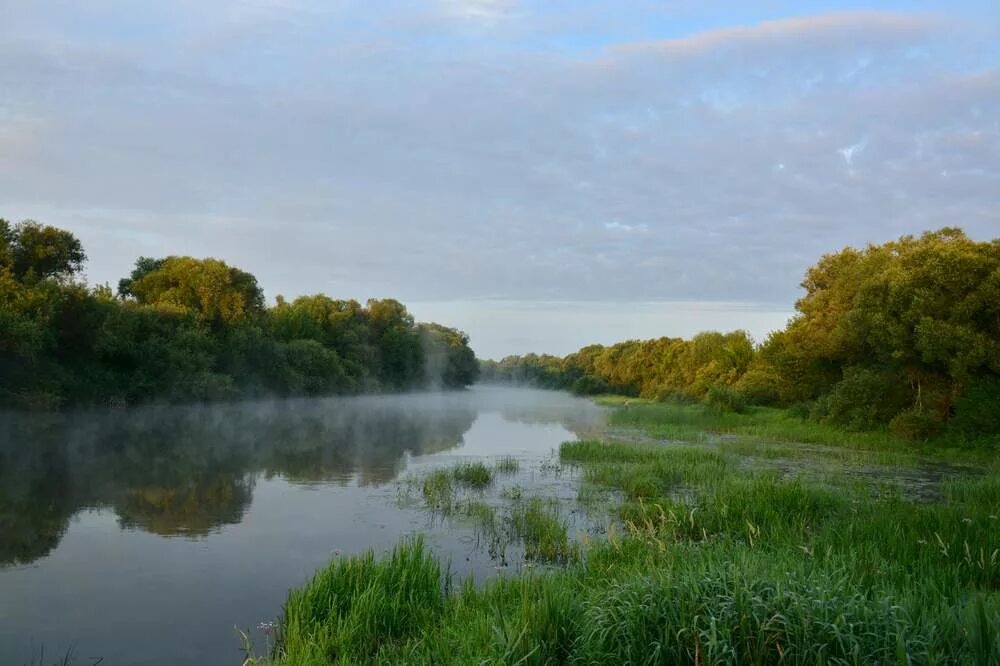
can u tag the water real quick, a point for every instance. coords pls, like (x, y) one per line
(144, 536)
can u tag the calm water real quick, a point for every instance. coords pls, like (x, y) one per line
(143, 536)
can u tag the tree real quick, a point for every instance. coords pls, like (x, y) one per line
(449, 361)
(218, 294)
(34, 252)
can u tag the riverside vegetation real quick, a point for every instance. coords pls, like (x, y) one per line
(903, 337)
(181, 329)
(763, 504)
(722, 553)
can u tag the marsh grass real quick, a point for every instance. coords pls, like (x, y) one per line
(438, 489)
(441, 489)
(538, 524)
(535, 523)
(718, 602)
(355, 605)
(472, 475)
(507, 465)
(701, 424)
(715, 559)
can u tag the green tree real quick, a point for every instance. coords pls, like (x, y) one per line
(34, 252)
(449, 362)
(218, 294)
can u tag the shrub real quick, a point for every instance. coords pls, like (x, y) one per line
(725, 399)
(590, 385)
(760, 386)
(865, 399)
(916, 423)
(800, 410)
(674, 395)
(978, 411)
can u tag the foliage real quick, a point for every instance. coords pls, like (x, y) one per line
(34, 252)
(590, 385)
(915, 423)
(725, 399)
(905, 333)
(978, 411)
(185, 329)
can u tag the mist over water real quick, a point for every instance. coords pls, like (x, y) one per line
(143, 535)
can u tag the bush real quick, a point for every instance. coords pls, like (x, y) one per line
(590, 385)
(801, 410)
(865, 399)
(725, 399)
(676, 396)
(207, 386)
(978, 411)
(314, 368)
(916, 423)
(760, 387)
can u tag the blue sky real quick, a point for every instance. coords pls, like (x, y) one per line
(638, 168)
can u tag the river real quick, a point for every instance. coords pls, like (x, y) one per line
(145, 536)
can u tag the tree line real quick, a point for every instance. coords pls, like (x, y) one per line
(180, 329)
(904, 335)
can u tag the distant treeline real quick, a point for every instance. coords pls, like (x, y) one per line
(185, 329)
(904, 335)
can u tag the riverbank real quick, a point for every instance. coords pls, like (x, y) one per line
(730, 547)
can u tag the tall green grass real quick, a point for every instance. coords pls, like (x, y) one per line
(712, 603)
(716, 558)
(473, 475)
(355, 606)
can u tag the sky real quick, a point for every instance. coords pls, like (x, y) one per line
(542, 175)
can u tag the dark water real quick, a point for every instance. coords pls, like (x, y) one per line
(143, 536)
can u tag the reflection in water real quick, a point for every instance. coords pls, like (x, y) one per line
(142, 536)
(190, 470)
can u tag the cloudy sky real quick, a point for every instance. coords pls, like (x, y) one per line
(542, 174)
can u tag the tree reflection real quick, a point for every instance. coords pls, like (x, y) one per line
(191, 470)
(194, 509)
(35, 503)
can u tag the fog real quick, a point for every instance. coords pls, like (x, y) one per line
(190, 469)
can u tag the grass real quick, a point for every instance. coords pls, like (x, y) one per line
(356, 605)
(717, 558)
(473, 475)
(440, 487)
(536, 524)
(533, 523)
(764, 427)
(507, 465)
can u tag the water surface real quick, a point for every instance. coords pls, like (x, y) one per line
(143, 536)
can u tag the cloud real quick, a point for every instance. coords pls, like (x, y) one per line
(483, 11)
(365, 153)
(857, 28)
(627, 228)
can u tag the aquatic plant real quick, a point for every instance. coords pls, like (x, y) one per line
(472, 474)
(507, 465)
